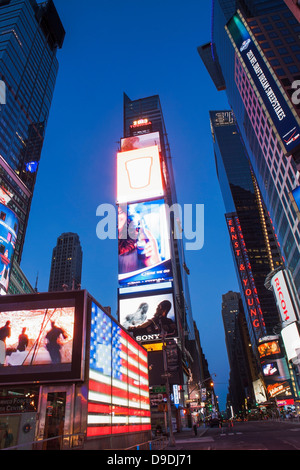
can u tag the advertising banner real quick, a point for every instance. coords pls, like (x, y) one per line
(265, 84)
(139, 176)
(41, 337)
(144, 243)
(118, 396)
(255, 315)
(280, 390)
(46, 339)
(9, 226)
(295, 200)
(146, 316)
(275, 371)
(141, 141)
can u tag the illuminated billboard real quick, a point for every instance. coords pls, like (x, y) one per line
(146, 315)
(269, 348)
(141, 141)
(41, 337)
(291, 340)
(139, 176)
(279, 390)
(259, 391)
(144, 243)
(9, 226)
(275, 370)
(118, 396)
(295, 200)
(279, 283)
(264, 84)
(255, 316)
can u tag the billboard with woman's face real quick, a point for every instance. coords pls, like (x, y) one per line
(144, 243)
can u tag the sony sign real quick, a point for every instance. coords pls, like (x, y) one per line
(283, 298)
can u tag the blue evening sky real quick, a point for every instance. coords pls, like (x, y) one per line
(142, 49)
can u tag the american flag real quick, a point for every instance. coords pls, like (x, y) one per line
(118, 399)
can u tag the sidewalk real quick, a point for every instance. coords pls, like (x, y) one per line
(188, 435)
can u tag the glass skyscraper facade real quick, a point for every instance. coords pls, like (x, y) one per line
(274, 31)
(30, 35)
(243, 202)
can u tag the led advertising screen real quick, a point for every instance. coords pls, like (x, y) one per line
(144, 243)
(118, 398)
(283, 298)
(8, 235)
(270, 348)
(139, 176)
(41, 337)
(291, 340)
(279, 390)
(267, 89)
(141, 141)
(146, 315)
(259, 391)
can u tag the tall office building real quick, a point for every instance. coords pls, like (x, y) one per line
(243, 367)
(258, 80)
(66, 264)
(154, 302)
(256, 47)
(30, 35)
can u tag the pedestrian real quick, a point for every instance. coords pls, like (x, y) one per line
(195, 429)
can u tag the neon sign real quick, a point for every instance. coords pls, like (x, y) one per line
(140, 122)
(246, 276)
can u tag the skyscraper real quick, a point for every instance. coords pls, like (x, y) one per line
(259, 80)
(154, 302)
(256, 46)
(30, 35)
(66, 264)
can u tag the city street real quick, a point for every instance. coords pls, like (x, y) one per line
(251, 435)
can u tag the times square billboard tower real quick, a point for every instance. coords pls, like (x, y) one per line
(153, 293)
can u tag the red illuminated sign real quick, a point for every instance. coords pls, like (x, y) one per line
(246, 276)
(140, 123)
